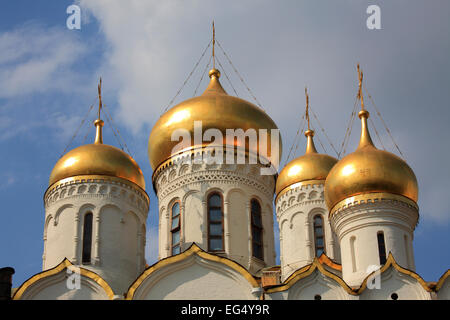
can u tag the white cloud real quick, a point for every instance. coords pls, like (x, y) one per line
(36, 59)
(150, 54)
(280, 48)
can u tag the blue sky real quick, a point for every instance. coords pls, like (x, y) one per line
(144, 50)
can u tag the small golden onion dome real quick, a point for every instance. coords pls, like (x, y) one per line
(97, 159)
(216, 110)
(311, 166)
(369, 171)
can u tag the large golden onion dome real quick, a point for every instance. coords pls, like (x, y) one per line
(309, 167)
(369, 173)
(216, 110)
(97, 159)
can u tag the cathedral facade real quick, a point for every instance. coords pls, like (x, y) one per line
(346, 226)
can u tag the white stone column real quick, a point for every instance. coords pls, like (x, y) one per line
(226, 227)
(363, 221)
(167, 233)
(249, 224)
(205, 226)
(182, 229)
(308, 241)
(97, 238)
(76, 242)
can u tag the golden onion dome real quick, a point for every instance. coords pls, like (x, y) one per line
(369, 171)
(216, 110)
(309, 167)
(97, 159)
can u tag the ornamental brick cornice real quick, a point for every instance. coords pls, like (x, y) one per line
(97, 188)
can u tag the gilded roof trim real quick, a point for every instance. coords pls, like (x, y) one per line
(324, 259)
(392, 263)
(65, 264)
(442, 279)
(305, 272)
(194, 249)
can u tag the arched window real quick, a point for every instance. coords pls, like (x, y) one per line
(175, 228)
(257, 230)
(381, 247)
(319, 237)
(87, 239)
(215, 222)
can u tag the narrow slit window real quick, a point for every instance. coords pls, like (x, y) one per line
(215, 222)
(381, 247)
(352, 249)
(319, 237)
(87, 239)
(257, 230)
(175, 228)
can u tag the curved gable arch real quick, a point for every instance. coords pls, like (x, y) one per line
(177, 263)
(50, 277)
(307, 271)
(391, 263)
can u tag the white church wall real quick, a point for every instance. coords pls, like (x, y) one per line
(59, 235)
(296, 209)
(238, 226)
(238, 184)
(194, 277)
(317, 285)
(444, 290)
(193, 222)
(119, 211)
(65, 282)
(314, 286)
(394, 284)
(357, 227)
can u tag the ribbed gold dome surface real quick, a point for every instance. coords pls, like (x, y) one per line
(369, 170)
(97, 159)
(310, 166)
(216, 110)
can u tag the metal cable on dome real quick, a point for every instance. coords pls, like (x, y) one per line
(376, 132)
(111, 122)
(384, 123)
(79, 127)
(226, 76)
(239, 75)
(324, 133)
(87, 134)
(187, 79)
(301, 127)
(320, 141)
(348, 130)
(298, 140)
(203, 75)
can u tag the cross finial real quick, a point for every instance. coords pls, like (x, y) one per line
(307, 106)
(213, 45)
(100, 104)
(99, 123)
(360, 94)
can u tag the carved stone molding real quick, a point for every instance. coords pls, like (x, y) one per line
(96, 188)
(212, 174)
